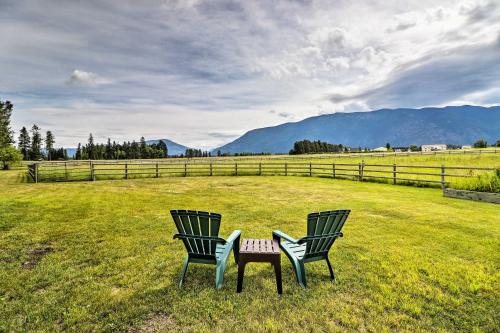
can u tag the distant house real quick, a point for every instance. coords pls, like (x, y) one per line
(467, 147)
(380, 149)
(433, 147)
(400, 149)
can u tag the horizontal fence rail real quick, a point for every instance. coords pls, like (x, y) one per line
(388, 173)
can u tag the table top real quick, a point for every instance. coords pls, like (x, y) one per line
(257, 246)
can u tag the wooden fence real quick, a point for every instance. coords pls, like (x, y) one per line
(389, 173)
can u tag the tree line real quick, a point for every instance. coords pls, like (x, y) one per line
(31, 146)
(481, 143)
(190, 152)
(8, 154)
(116, 151)
(311, 147)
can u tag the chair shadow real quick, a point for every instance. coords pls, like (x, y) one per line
(198, 275)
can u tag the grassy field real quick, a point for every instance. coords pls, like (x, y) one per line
(99, 256)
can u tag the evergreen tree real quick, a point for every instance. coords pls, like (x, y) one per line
(100, 151)
(36, 143)
(24, 142)
(115, 151)
(109, 150)
(481, 143)
(91, 148)
(126, 150)
(163, 147)
(5, 130)
(78, 153)
(135, 150)
(49, 144)
(306, 147)
(142, 148)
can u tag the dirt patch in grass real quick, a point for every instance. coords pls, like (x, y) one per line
(6, 260)
(35, 256)
(158, 322)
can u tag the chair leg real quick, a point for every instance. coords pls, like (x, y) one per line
(219, 275)
(332, 274)
(277, 272)
(301, 274)
(184, 270)
(241, 275)
(236, 250)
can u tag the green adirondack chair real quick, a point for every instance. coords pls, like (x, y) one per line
(199, 231)
(322, 230)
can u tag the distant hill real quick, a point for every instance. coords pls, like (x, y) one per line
(458, 125)
(174, 148)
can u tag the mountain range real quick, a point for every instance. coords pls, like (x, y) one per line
(459, 125)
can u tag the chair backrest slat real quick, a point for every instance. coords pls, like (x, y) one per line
(180, 227)
(205, 231)
(323, 223)
(337, 224)
(330, 222)
(197, 223)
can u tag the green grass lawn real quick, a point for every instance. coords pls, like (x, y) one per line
(99, 256)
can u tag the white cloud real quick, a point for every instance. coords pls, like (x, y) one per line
(403, 22)
(331, 40)
(79, 77)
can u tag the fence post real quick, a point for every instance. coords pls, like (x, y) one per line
(443, 173)
(394, 173)
(260, 169)
(310, 169)
(185, 169)
(36, 172)
(333, 170)
(286, 169)
(66, 170)
(157, 173)
(92, 174)
(126, 170)
(236, 169)
(361, 168)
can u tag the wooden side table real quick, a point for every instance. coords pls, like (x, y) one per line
(259, 250)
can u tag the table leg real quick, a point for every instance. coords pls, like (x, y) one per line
(241, 273)
(277, 271)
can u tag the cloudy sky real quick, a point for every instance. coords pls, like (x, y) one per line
(203, 72)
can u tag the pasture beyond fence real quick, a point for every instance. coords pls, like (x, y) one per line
(389, 173)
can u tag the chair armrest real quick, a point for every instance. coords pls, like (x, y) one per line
(234, 240)
(196, 237)
(319, 237)
(277, 235)
(234, 235)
